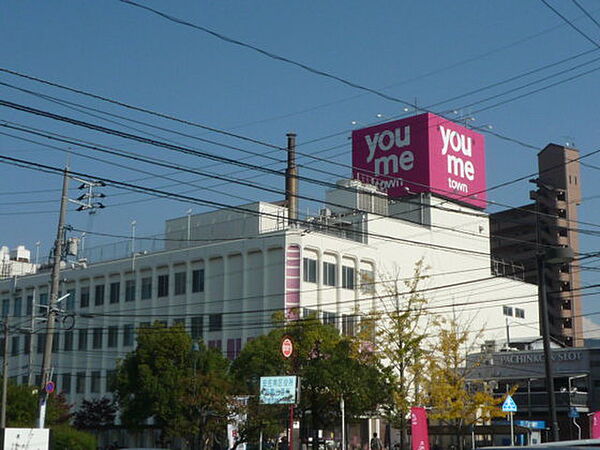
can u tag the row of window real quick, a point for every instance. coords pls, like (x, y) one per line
(518, 312)
(95, 336)
(329, 271)
(349, 321)
(114, 293)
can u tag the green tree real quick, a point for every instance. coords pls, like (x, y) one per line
(330, 367)
(22, 407)
(95, 414)
(185, 392)
(454, 399)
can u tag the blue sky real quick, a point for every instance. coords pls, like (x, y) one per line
(423, 52)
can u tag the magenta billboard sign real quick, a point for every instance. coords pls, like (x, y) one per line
(424, 153)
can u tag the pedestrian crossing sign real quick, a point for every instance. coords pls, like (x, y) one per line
(509, 405)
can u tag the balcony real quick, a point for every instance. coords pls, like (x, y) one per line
(539, 401)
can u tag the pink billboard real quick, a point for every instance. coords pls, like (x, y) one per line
(424, 153)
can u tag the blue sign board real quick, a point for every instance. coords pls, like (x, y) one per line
(509, 405)
(533, 424)
(279, 390)
(573, 413)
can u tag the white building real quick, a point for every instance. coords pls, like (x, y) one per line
(16, 262)
(237, 268)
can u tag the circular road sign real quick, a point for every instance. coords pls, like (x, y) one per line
(50, 387)
(287, 347)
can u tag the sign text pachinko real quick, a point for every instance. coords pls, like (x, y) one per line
(424, 153)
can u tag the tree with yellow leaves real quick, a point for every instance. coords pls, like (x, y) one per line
(454, 398)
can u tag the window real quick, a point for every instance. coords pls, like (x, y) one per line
(115, 292)
(99, 295)
(17, 307)
(520, 313)
(215, 322)
(197, 327)
(216, 344)
(347, 277)
(179, 322)
(43, 301)
(507, 310)
(129, 290)
(41, 343)
(70, 300)
(84, 297)
(82, 344)
(80, 383)
(198, 280)
(68, 343)
(309, 266)
(309, 312)
(14, 348)
(180, 281)
(329, 318)
(128, 335)
(29, 305)
(111, 376)
(27, 344)
(146, 288)
(55, 343)
(329, 274)
(163, 285)
(113, 335)
(97, 338)
(367, 281)
(5, 307)
(66, 383)
(95, 382)
(234, 346)
(348, 325)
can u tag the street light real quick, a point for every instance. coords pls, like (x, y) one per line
(555, 255)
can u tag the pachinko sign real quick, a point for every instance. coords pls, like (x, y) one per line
(424, 153)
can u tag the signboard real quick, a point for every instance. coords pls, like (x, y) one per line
(596, 426)
(509, 405)
(419, 429)
(424, 153)
(50, 387)
(287, 347)
(573, 413)
(279, 390)
(29, 438)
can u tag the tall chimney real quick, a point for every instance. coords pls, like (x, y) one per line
(291, 180)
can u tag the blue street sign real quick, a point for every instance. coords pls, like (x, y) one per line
(573, 413)
(509, 405)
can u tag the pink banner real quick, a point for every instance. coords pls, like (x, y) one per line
(420, 433)
(596, 425)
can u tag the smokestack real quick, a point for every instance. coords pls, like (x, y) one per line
(291, 180)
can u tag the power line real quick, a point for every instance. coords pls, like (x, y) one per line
(567, 21)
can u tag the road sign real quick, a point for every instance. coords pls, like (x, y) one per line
(50, 387)
(509, 405)
(282, 390)
(573, 413)
(287, 347)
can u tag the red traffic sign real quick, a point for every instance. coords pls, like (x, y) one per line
(50, 387)
(287, 347)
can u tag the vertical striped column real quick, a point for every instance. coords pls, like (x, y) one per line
(292, 282)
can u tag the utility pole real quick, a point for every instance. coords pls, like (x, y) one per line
(4, 376)
(54, 288)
